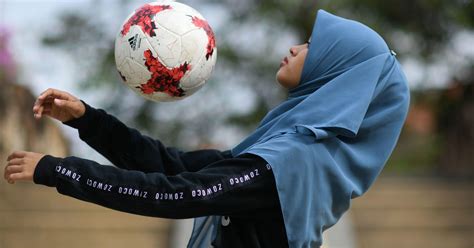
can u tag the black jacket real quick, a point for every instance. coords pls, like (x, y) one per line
(153, 180)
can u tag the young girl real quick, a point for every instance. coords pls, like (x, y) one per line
(291, 179)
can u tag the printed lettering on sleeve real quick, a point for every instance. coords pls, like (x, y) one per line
(196, 192)
(99, 185)
(169, 196)
(248, 176)
(95, 184)
(132, 192)
(206, 191)
(68, 173)
(230, 182)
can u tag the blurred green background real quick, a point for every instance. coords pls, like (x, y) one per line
(69, 45)
(433, 40)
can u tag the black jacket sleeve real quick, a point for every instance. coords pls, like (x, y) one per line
(127, 148)
(231, 187)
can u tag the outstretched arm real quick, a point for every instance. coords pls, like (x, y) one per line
(125, 147)
(228, 187)
(129, 149)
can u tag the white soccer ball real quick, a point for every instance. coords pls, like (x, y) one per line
(165, 51)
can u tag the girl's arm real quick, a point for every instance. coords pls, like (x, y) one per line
(123, 146)
(127, 148)
(228, 187)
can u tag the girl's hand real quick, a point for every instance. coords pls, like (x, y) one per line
(59, 105)
(21, 166)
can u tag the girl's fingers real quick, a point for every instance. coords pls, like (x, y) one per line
(14, 169)
(41, 108)
(38, 108)
(44, 109)
(16, 154)
(9, 170)
(47, 107)
(48, 95)
(46, 112)
(5, 174)
(16, 161)
(39, 103)
(54, 93)
(16, 177)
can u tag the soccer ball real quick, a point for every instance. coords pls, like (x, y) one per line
(165, 51)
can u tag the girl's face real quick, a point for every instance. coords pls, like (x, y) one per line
(289, 74)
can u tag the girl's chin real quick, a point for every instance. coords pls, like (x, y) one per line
(281, 73)
(285, 79)
(281, 80)
(278, 77)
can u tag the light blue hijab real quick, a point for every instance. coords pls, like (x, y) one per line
(330, 139)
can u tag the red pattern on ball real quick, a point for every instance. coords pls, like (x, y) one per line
(163, 79)
(144, 18)
(211, 44)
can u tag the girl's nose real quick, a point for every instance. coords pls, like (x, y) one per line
(293, 51)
